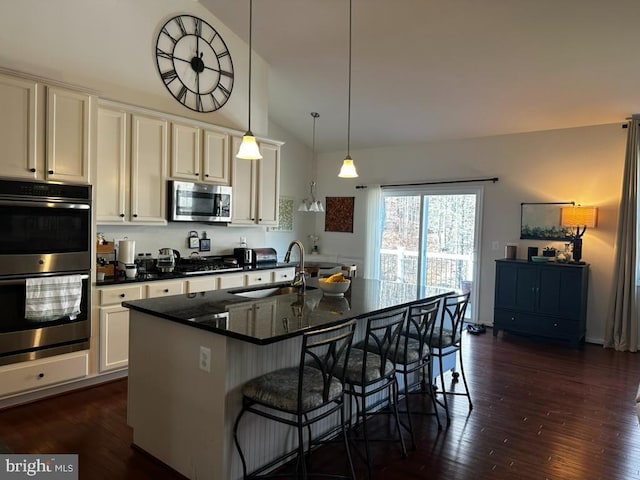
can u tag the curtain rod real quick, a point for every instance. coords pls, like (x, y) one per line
(442, 182)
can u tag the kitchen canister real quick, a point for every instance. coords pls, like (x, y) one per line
(510, 251)
(126, 251)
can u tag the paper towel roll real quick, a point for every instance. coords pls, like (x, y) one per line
(126, 251)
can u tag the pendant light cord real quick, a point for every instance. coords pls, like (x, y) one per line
(349, 101)
(250, 52)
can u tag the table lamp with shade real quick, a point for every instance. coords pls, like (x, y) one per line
(578, 218)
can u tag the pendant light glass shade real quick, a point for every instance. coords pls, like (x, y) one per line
(348, 169)
(310, 204)
(249, 148)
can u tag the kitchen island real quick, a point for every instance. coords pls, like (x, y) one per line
(189, 356)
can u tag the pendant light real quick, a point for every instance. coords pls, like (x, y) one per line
(311, 204)
(348, 169)
(249, 148)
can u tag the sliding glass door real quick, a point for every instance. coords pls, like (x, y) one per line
(430, 237)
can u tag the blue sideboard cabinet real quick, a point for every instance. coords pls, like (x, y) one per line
(541, 299)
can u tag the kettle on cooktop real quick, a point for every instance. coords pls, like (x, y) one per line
(167, 258)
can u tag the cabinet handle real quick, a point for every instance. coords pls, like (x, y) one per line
(122, 215)
(32, 170)
(50, 172)
(555, 324)
(166, 290)
(196, 174)
(122, 295)
(135, 215)
(41, 375)
(206, 175)
(285, 276)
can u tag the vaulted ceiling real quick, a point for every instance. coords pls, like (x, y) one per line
(428, 70)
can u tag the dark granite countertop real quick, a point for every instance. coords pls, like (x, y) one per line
(171, 275)
(268, 320)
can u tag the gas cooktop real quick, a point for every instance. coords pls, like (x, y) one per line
(198, 265)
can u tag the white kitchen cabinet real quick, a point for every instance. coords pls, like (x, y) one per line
(205, 283)
(199, 154)
(231, 280)
(114, 325)
(45, 372)
(148, 169)
(131, 167)
(283, 275)
(18, 127)
(44, 141)
(164, 289)
(68, 135)
(113, 167)
(259, 277)
(257, 318)
(256, 186)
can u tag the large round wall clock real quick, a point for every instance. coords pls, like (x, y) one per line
(194, 63)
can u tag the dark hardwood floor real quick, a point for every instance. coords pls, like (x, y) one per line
(540, 412)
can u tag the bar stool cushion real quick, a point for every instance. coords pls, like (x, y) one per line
(413, 350)
(279, 389)
(447, 338)
(355, 365)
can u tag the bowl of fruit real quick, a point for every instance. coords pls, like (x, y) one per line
(335, 285)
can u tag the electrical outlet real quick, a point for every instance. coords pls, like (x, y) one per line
(495, 245)
(205, 359)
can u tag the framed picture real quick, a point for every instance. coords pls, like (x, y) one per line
(339, 214)
(541, 221)
(285, 215)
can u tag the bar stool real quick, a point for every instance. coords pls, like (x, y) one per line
(413, 359)
(447, 340)
(303, 395)
(371, 371)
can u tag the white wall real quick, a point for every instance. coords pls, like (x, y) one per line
(581, 164)
(109, 47)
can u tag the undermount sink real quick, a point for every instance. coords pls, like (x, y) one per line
(267, 291)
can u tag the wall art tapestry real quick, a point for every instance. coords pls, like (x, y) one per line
(339, 216)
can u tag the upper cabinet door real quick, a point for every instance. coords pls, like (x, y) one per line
(112, 167)
(269, 184)
(243, 180)
(68, 134)
(18, 127)
(148, 169)
(215, 161)
(185, 152)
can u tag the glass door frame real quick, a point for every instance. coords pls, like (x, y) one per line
(426, 190)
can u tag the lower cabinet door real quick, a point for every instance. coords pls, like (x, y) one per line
(114, 337)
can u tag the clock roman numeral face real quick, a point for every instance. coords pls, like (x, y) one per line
(194, 63)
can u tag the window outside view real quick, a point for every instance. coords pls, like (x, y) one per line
(438, 251)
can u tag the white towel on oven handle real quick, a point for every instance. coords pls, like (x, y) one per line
(50, 298)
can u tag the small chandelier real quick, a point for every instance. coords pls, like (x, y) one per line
(310, 204)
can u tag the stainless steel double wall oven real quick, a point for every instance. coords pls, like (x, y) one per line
(45, 233)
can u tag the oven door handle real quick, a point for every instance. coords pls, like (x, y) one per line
(76, 206)
(22, 281)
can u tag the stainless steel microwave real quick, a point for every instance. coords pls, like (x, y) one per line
(199, 202)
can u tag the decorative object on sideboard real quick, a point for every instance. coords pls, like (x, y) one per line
(348, 169)
(249, 148)
(549, 252)
(511, 251)
(580, 218)
(541, 221)
(532, 252)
